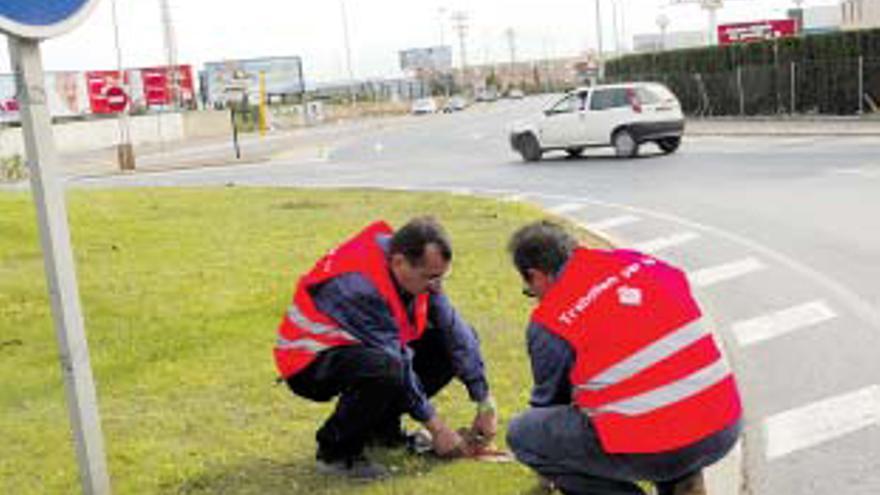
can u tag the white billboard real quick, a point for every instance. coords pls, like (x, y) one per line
(434, 58)
(283, 77)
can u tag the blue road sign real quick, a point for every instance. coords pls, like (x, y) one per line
(42, 18)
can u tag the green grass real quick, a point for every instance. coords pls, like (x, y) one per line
(182, 291)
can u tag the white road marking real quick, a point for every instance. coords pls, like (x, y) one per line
(661, 243)
(782, 322)
(566, 208)
(610, 223)
(821, 421)
(861, 172)
(713, 275)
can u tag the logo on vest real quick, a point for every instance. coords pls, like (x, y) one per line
(629, 296)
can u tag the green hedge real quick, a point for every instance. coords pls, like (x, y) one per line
(707, 79)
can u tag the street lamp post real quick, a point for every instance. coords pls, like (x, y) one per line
(662, 23)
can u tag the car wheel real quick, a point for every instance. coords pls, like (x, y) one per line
(625, 145)
(574, 152)
(530, 148)
(670, 144)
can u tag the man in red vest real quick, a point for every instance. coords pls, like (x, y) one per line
(370, 323)
(629, 383)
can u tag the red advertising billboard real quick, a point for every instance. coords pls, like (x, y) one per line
(99, 84)
(745, 32)
(159, 85)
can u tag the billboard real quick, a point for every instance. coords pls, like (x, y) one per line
(159, 84)
(283, 77)
(435, 58)
(99, 84)
(745, 32)
(65, 91)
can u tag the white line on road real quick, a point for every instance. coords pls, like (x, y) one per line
(821, 422)
(713, 275)
(566, 208)
(782, 322)
(661, 243)
(610, 223)
(861, 172)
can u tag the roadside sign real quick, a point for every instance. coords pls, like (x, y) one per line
(27, 22)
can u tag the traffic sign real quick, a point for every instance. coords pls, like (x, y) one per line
(43, 19)
(27, 22)
(117, 100)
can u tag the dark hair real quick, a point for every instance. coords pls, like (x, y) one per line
(541, 245)
(411, 239)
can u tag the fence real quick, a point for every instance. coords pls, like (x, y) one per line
(847, 86)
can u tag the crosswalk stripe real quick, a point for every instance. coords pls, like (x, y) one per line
(821, 422)
(766, 327)
(610, 223)
(566, 208)
(660, 243)
(713, 275)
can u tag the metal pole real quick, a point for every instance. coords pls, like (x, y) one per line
(351, 89)
(739, 85)
(124, 151)
(861, 84)
(599, 38)
(59, 265)
(235, 133)
(793, 89)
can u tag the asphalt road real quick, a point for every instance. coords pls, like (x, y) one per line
(779, 235)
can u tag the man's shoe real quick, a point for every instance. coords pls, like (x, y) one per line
(353, 467)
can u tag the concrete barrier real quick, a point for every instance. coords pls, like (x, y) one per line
(98, 134)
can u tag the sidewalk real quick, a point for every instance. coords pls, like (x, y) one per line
(784, 126)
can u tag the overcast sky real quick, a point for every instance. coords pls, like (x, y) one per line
(209, 30)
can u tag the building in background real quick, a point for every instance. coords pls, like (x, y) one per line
(860, 14)
(822, 19)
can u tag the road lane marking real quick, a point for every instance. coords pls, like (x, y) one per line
(661, 243)
(770, 326)
(610, 223)
(713, 275)
(566, 208)
(821, 422)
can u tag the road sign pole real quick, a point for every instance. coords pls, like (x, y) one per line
(59, 266)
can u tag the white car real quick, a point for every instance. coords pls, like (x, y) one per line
(623, 116)
(423, 106)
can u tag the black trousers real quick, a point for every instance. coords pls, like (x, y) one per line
(371, 390)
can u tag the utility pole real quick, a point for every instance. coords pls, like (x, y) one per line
(352, 92)
(460, 20)
(599, 39)
(511, 44)
(172, 77)
(124, 150)
(662, 23)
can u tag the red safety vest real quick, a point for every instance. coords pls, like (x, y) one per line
(646, 371)
(304, 331)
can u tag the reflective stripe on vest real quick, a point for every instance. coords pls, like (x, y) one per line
(647, 357)
(299, 319)
(667, 394)
(305, 344)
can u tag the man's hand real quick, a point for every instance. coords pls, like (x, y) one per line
(486, 420)
(445, 440)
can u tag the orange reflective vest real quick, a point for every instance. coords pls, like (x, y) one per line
(305, 331)
(647, 372)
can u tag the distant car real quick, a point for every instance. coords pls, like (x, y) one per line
(455, 104)
(424, 106)
(623, 116)
(486, 95)
(516, 94)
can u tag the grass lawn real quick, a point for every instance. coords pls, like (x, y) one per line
(182, 291)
